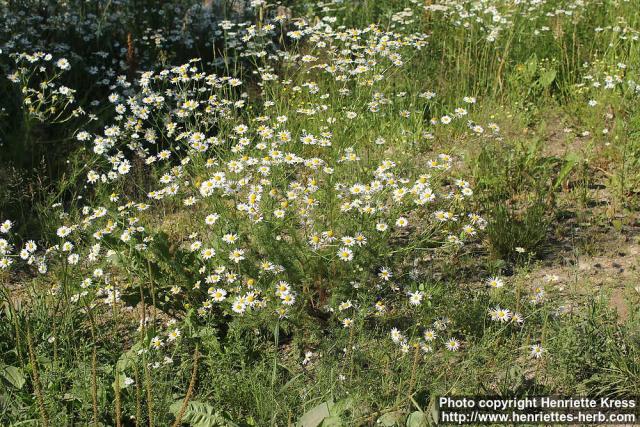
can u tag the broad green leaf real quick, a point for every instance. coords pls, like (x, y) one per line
(532, 65)
(434, 412)
(571, 160)
(332, 421)
(120, 378)
(14, 376)
(315, 416)
(417, 419)
(546, 78)
(391, 419)
(128, 358)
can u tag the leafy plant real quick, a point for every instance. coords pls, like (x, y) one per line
(201, 414)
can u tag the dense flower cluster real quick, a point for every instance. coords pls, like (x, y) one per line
(274, 200)
(275, 186)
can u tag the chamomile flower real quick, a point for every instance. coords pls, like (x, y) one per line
(288, 298)
(230, 238)
(239, 306)
(429, 335)
(518, 319)
(156, 342)
(211, 219)
(452, 344)
(500, 314)
(348, 241)
(345, 254)
(236, 255)
(6, 226)
(396, 335)
(495, 282)
(173, 335)
(385, 274)
(218, 294)
(415, 298)
(402, 222)
(345, 305)
(282, 288)
(63, 231)
(208, 253)
(536, 351)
